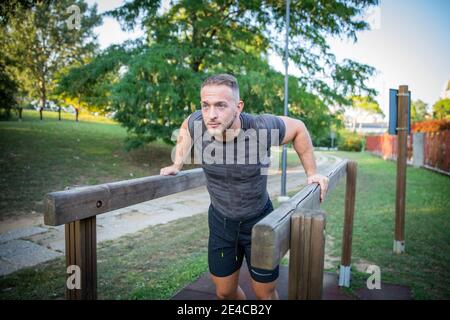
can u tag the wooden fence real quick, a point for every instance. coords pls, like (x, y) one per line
(271, 237)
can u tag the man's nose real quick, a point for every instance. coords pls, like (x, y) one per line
(212, 113)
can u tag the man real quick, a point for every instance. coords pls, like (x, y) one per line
(226, 139)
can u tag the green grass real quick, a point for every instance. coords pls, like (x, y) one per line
(154, 263)
(37, 157)
(425, 265)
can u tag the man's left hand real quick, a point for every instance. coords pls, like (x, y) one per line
(322, 181)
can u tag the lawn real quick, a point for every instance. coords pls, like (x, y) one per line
(425, 265)
(37, 157)
(160, 260)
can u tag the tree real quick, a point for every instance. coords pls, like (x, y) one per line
(418, 111)
(441, 109)
(193, 39)
(8, 93)
(42, 41)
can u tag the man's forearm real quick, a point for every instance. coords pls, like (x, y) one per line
(304, 148)
(183, 149)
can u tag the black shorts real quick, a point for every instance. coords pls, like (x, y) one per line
(230, 241)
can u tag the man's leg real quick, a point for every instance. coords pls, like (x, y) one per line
(265, 291)
(227, 288)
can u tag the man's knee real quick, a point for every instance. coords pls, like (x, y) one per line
(266, 294)
(265, 291)
(223, 294)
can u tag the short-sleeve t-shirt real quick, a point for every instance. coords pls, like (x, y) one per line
(236, 171)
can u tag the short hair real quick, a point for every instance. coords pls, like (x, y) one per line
(224, 79)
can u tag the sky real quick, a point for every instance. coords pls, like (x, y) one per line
(408, 44)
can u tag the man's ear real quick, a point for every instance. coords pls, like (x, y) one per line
(241, 105)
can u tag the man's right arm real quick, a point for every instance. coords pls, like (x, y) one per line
(182, 151)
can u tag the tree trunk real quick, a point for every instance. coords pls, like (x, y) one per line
(59, 113)
(43, 97)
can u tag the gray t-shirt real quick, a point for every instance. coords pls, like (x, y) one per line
(236, 171)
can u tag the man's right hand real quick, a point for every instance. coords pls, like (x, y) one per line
(170, 170)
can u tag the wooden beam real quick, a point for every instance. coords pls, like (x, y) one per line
(271, 236)
(67, 206)
(81, 259)
(317, 256)
(306, 254)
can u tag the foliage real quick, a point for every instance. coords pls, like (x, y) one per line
(190, 40)
(39, 43)
(8, 93)
(431, 126)
(350, 141)
(366, 103)
(418, 111)
(441, 109)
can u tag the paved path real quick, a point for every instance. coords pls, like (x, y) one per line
(37, 243)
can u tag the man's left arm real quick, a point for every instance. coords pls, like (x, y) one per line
(297, 133)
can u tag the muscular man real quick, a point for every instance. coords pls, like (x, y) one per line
(234, 148)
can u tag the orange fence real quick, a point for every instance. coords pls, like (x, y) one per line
(386, 146)
(436, 148)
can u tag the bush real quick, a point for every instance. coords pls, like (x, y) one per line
(431, 126)
(350, 141)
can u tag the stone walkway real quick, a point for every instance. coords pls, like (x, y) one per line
(38, 243)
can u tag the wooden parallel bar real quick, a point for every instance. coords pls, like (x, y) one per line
(80, 203)
(271, 235)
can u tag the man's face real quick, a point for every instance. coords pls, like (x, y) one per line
(219, 108)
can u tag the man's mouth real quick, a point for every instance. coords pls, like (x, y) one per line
(213, 125)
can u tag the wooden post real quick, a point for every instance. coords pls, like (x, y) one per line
(81, 259)
(402, 135)
(306, 255)
(350, 196)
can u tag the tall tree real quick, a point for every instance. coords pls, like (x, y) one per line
(188, 40)
(441, 109)
(8, 93)
(46, 38)
(418, 111)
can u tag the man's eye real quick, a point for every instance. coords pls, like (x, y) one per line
(205, 106)
(221, 106)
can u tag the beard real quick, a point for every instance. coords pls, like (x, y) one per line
(222, 128)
